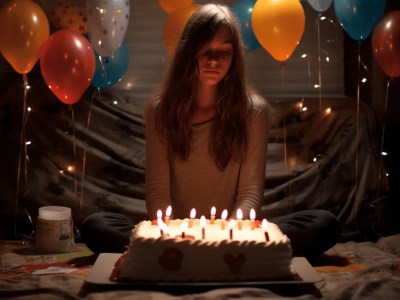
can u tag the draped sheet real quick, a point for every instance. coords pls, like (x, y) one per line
(91, 157)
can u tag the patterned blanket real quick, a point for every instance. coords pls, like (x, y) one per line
(351, 270)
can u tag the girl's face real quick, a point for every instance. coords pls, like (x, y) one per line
(215, 58)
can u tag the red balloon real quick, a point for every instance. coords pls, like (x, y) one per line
(386, 44)
(67, 63)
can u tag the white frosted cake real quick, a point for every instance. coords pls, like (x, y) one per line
(205, 253)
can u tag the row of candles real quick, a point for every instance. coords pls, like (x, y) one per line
(163, 225)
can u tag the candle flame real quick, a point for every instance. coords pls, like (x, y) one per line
(252, 214)
(202, 221)
(239, 214)
(159, 214)
(168, 211)
(224, 214)
(184, 226)
(213, 211)
(231, 224)
(264, 225)
(193, 213)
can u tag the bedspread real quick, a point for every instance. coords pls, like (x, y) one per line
(350, 270)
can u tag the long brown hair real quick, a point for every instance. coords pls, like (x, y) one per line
(177, 98)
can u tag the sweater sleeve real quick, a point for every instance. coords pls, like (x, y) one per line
(252, 170)
(157, 189)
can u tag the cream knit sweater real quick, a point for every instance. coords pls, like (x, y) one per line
(197, 183)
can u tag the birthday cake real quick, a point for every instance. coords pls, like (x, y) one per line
(205, 252)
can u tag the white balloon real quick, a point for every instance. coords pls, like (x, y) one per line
(107, 22)
(320, 5)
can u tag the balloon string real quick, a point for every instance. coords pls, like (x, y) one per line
(88, 121)
(381, 153)
(284, 120)
(319, 69)
(26, 144)
(356, 194)
(103, 68)
(74, 147)
(284, 142)
(22, 153)
(25, 120)
(383, 137)
(309, 71)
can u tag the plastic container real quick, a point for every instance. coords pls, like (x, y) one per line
(54, 230)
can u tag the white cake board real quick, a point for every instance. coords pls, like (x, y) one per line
(104, 265)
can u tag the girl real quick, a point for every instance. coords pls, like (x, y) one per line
(206, 142)
(206, 132)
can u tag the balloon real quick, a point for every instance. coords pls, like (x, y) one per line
(278, 26)
(243, 10)
(359, 17)
(109, 70)
(67, 64)
(107, 24)
(174, 25)
(320, 5)
(25, 28)
(386, 44)
(68, 14)
(170, 6)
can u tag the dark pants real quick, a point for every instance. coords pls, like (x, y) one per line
(311, 232)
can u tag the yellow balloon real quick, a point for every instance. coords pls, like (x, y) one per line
(174, 25)
(170, 6)
(25, 29)
(278, 26)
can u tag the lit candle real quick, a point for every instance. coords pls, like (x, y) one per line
(159, 214)
(224, 215)
(252, 218)
(239, 216)
(192, 216)
(168, 214)
(164, 229)
(264, 225)
(213, 211)
(184, 226)
(160, 225)
(203, 226)
(231, 225)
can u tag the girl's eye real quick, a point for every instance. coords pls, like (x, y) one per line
(214, 53)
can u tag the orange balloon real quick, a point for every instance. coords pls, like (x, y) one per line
(25, 28)
(174, 25)
(170, 6)
(279, 26)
